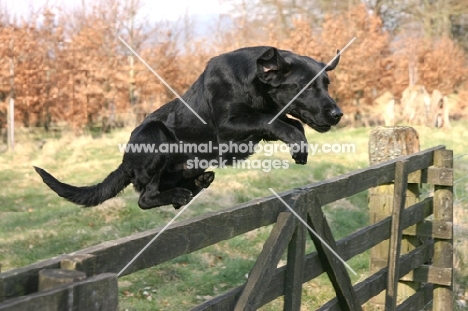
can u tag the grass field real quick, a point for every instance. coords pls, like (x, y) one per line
(36, 224)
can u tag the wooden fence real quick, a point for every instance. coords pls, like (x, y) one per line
(429, 263)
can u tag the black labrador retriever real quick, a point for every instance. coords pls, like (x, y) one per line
(237, 96)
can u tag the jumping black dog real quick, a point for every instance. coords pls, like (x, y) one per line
(237, 96)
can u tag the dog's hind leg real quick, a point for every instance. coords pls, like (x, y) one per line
(196, 184)
(151, 197)
(200, 182)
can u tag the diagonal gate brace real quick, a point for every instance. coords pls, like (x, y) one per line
(267, 261)
(335, 269)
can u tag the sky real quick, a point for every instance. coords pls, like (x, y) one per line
(154, 9)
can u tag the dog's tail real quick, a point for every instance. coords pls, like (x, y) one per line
(88, 195)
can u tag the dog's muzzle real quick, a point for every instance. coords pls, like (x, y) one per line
(334, 115)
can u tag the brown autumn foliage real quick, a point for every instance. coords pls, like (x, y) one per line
(439, 64)
(365, 69)
(19, 62)
(73, 70)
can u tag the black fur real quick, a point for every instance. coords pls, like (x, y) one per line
(237, 95)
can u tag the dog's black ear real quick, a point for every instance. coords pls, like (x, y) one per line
(271, 66)
(335, 62)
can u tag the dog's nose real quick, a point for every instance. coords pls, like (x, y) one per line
(335, 114)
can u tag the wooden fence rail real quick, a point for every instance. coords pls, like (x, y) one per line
(266, 282)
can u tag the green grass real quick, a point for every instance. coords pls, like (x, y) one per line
(35, 224)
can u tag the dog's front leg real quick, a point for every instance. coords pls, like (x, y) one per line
(299, 152)
(284, 129)
(296, 123)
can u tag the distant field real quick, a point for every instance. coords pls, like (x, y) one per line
(36, 224)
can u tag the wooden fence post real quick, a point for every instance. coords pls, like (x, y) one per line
(386, 143)
(443, 248)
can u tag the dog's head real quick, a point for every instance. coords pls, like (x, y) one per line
(286, 74)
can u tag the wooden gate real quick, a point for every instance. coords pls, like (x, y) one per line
(429, 263)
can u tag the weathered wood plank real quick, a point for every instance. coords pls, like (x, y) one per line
(203, 231)
(443, 249)
(376, 283)
(267, 261)
(418, 301)
(227, 301)
(335, 269)
(51, 278)
(50, 300)
(295, 261)
(430, 274)
(437, 229)
(186, 236)
(432, 175)
(343, 186)
(399, 200)
(347, 248)
(181, 238)
(98, 293)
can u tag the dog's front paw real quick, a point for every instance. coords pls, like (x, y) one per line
(204, 180)
(181, 197)
(299, 155)
(300, 158)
